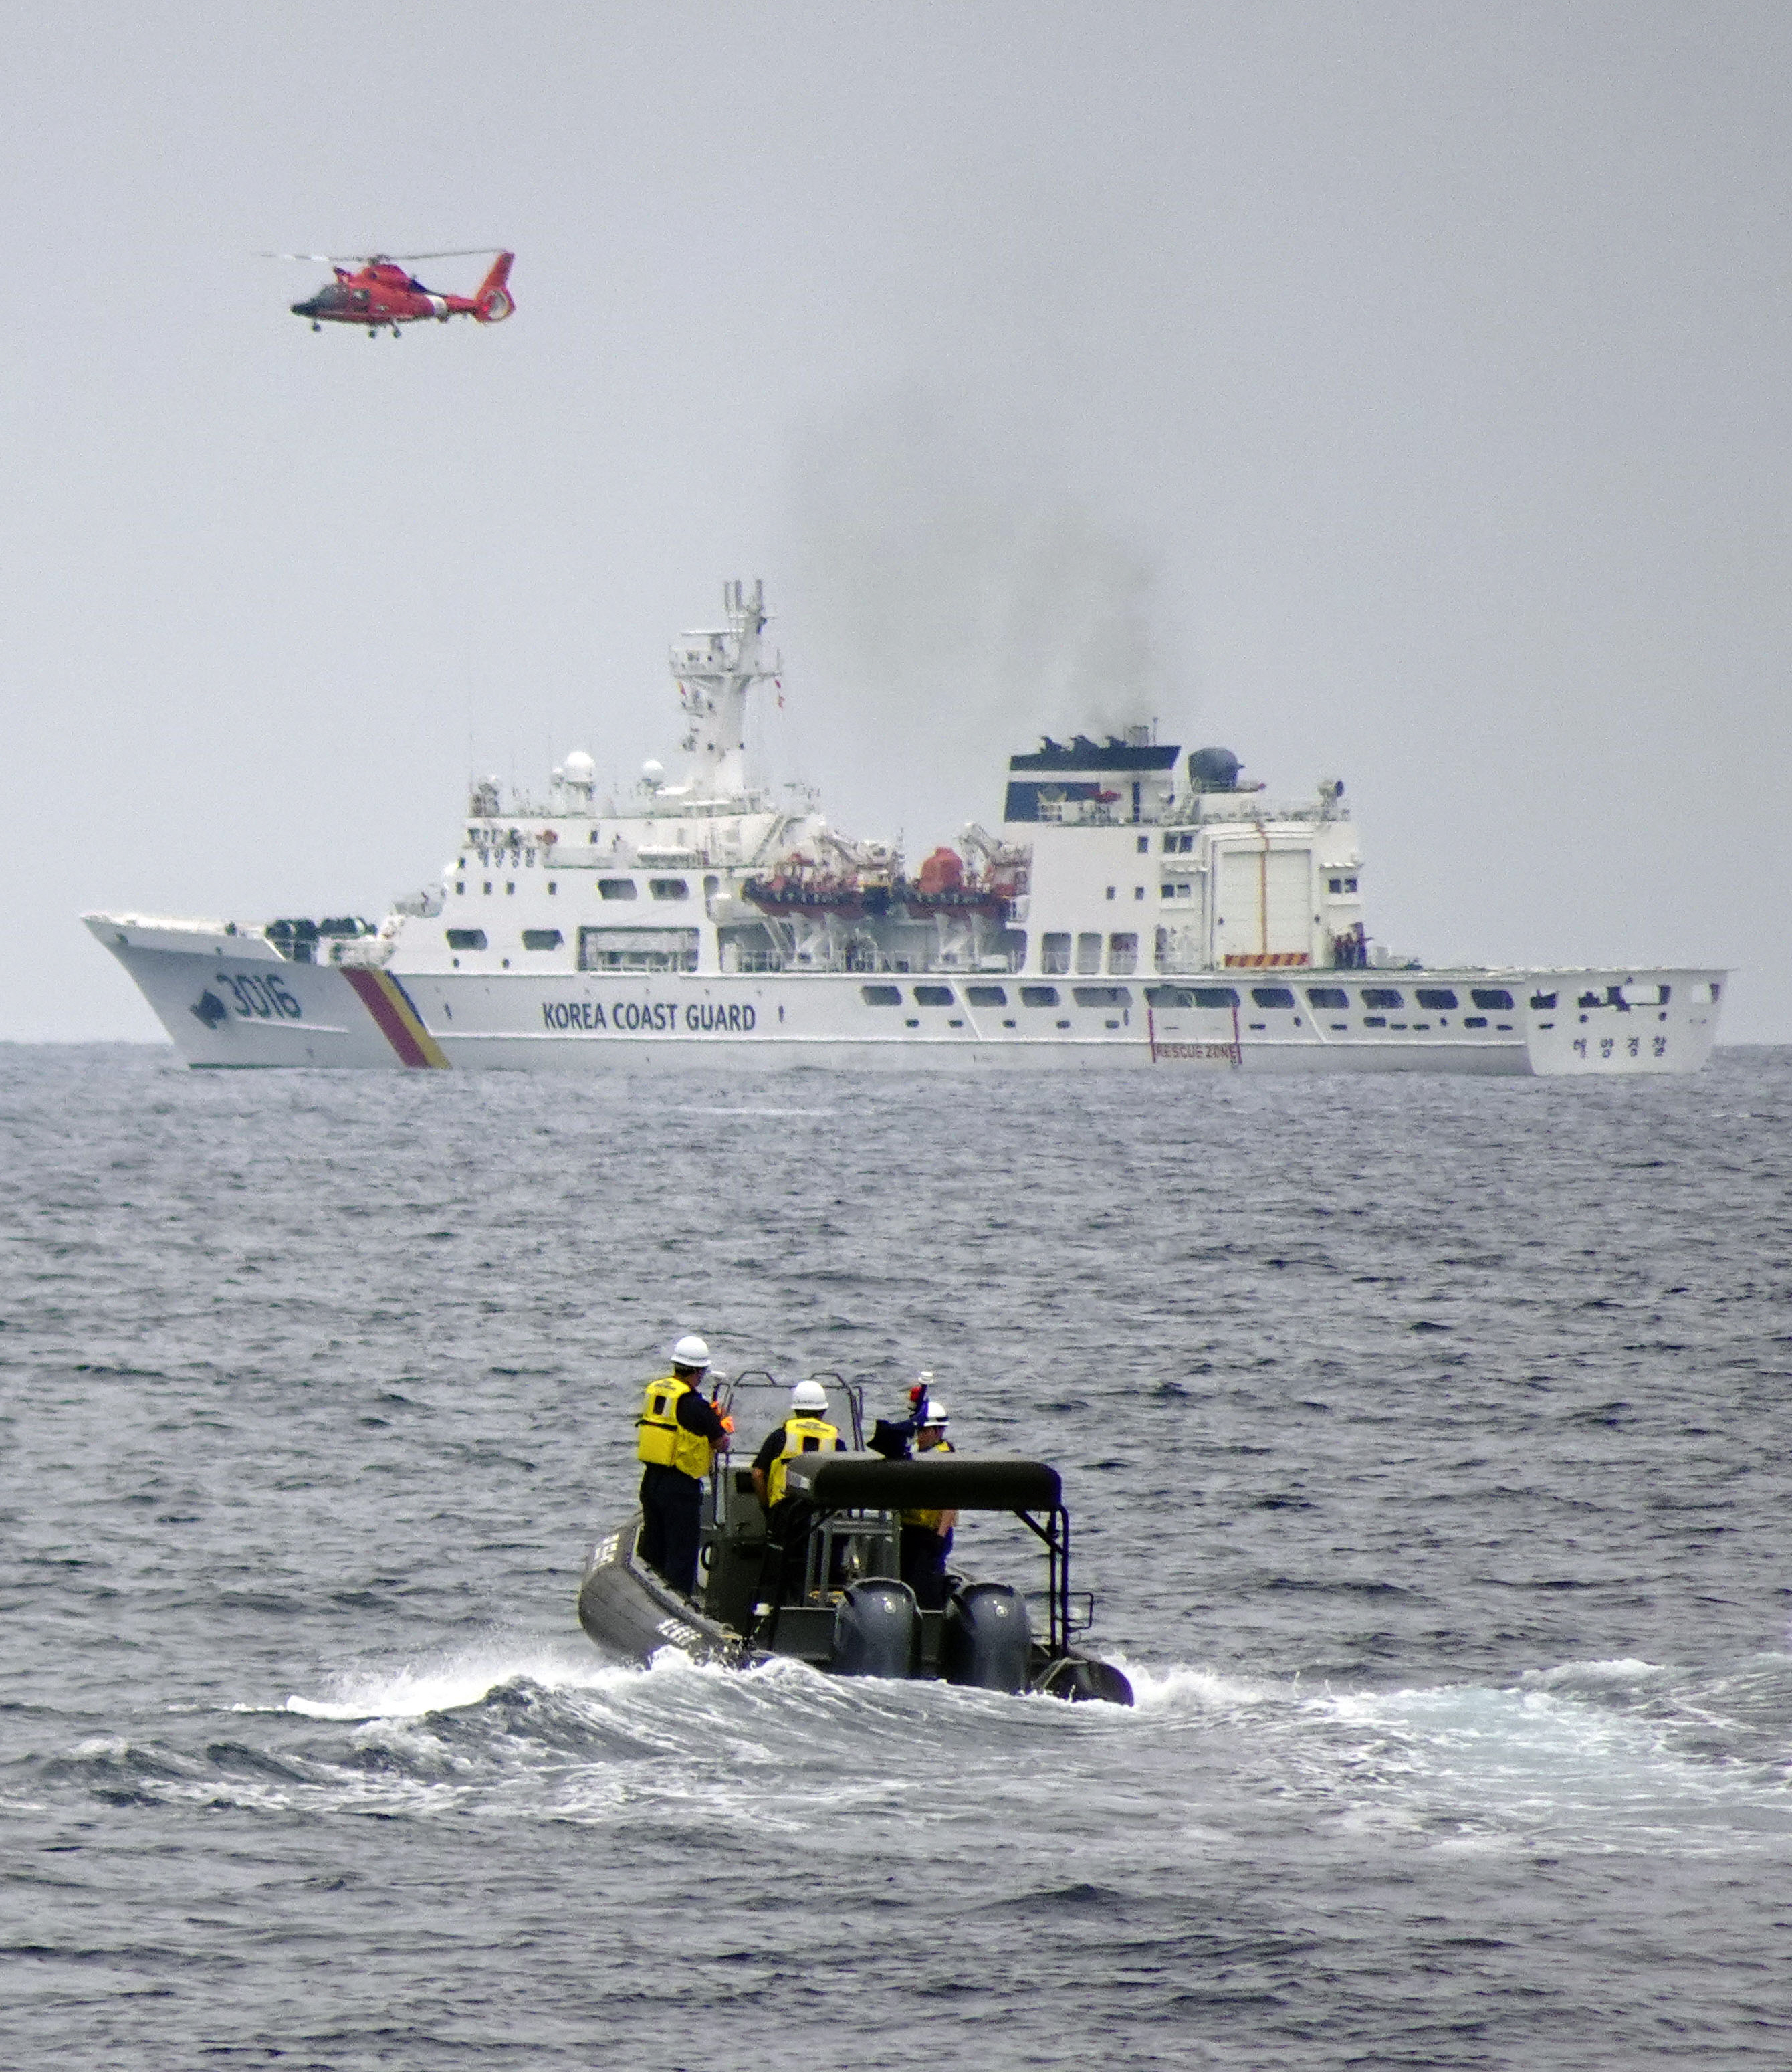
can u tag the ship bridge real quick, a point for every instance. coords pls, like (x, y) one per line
(1228, 878)
(1126, 781)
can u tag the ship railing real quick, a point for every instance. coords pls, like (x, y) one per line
(1206, 806)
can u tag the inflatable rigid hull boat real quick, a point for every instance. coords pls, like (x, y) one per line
(833, 1596)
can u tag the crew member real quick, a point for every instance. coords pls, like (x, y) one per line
(806, 1430)
(894, 1438)
(681, 1432)
(927, 1535)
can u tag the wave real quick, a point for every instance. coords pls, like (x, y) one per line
(774, 1113)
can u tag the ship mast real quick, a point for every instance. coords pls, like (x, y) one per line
(714, 671)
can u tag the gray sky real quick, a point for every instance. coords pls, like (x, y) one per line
(1394, 391)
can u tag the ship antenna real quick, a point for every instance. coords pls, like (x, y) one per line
(714, 672)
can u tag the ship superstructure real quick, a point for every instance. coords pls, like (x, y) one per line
(1135, 907)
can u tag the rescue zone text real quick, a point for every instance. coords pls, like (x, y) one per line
(707, 1017)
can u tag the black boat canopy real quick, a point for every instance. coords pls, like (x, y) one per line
(931, 1481)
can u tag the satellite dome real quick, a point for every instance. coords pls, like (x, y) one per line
(653, 773)
(1214, 770)
(579, 767)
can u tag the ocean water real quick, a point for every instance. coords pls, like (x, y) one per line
(1428, 1445)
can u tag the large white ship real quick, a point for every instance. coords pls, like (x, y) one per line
(1133, 909)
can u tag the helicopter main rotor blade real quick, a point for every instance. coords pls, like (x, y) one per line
(343, 258)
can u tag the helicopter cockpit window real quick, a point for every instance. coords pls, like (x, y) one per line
(360, 298)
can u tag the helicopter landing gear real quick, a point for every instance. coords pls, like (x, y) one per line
(317, 327)
(373, 330)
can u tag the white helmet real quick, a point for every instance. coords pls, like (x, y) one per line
(691, 1351)
(936, 1414)
(808, 1396)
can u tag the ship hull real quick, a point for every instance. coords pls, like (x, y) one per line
(630, 1612)
(230, 1002)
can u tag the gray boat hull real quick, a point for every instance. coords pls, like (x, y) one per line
(629, 1612)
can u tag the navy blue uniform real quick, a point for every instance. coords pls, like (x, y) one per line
(671, 1501)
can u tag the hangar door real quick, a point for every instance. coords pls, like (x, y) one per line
(1262, 915)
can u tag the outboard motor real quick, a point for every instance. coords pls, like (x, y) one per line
(987, 1643)
(877, 1630)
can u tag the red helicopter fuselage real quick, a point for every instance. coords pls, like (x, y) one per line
(381, 295)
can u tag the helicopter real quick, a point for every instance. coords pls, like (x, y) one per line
(381, 295)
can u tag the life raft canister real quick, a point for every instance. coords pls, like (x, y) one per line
(802, 1435)
(663, 1442)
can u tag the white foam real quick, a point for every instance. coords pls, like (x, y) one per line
(1617, 1669)
(1558, 1753)
(411, 1690)
(112, 1745)
(1158, 1689)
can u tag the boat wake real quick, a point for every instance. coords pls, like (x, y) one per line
(1607, 1754)
(1620, 1755)
(1614, 1756)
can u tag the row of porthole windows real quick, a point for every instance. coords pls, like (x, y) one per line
(533, 939)
(997, 996)
(1439, 998)
(660, 888)
(1436, 998)
(619, 888)
(1494, 999)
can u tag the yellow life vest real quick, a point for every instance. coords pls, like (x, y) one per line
(930, 1518)
(802, 1435)
(664, 1443)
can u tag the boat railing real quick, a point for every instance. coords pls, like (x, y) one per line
(1079, 1608)
(854, 1393)
(1053, 1528)
(850, 1546)
(729, 1391)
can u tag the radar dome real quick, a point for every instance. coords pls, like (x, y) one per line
(579, 767)
(1214, 770)
(653, 773)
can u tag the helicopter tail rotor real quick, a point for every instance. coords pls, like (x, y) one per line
(492, 302)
